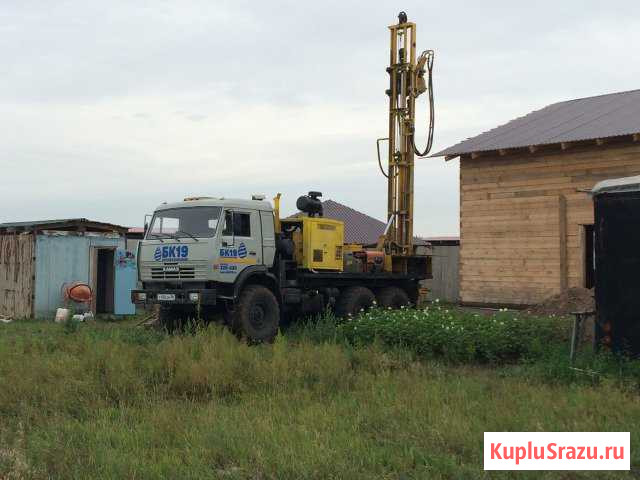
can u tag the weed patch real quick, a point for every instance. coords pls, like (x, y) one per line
(454, 335)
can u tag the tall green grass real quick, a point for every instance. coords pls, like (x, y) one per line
(111, 401)
(521, 345)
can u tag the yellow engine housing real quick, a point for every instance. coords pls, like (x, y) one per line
(319, 246)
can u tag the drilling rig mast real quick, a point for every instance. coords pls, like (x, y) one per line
(406, 82)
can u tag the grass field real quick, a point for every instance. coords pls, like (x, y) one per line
(111, 400)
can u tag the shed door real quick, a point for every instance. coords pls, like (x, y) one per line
(105, 280)
(126, 280)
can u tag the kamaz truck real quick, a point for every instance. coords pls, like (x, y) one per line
(204, 256)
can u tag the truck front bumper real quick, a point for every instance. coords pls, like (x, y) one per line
(172, 297)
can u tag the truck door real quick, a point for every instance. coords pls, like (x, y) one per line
(240, 243)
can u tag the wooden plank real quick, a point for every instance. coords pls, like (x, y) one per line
(487, 254)
(17, 269)
(517, 185)
(509, 261)
(521, 227)
(582, 179)
(513, 220)
(559, 161)
(562, 240)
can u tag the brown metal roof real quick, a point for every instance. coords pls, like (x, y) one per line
(603, 116)
(70, 224)
(358, 227)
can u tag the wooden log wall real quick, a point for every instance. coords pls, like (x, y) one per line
(522, 217)
(17, 268)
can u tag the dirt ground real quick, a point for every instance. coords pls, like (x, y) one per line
(573, 300)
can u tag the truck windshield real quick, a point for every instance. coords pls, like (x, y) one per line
(184, 222)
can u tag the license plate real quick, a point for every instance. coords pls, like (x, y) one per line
(166, 296)
(173, 268)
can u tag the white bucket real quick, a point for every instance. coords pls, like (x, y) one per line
(62, 315)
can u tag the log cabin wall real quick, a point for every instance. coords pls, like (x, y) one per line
(522, 216)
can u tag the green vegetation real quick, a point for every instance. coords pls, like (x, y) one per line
(374, 397)
(455, 335)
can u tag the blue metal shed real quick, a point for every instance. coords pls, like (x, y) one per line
(63, 252)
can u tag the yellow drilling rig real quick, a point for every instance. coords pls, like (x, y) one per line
(406, 82)
(205, 254)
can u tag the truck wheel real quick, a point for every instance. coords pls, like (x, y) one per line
(392, 297)
(169, 317)
(257, 314)
(354, 299)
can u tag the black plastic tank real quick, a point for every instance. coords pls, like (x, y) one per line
(617, 264)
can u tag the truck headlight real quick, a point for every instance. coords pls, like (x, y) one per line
(142, 296)
(194, 297)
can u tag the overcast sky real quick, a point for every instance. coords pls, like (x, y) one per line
(109, 108)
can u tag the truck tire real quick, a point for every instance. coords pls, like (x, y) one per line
(354, 299)
(257, 315)
(392, 297)
(169, 317)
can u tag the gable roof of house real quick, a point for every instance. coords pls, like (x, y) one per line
(602, 116)
(358, 227)
(361, 228)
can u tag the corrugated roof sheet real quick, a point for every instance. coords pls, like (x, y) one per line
(617, 185)
(63, 224)
(358, 227)
(445, 240)
(589, 118)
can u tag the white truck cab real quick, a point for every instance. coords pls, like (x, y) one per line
(207, 255)
(206, 239)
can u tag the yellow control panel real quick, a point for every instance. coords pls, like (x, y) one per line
(319, 246)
